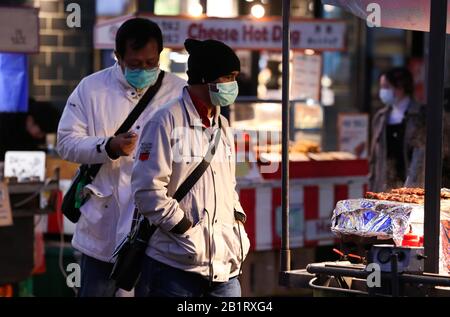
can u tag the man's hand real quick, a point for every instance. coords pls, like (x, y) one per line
(122, 145)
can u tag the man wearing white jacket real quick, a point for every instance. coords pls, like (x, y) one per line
(94, 111)
(200, 243)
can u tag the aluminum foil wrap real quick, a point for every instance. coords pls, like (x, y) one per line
(372, 218)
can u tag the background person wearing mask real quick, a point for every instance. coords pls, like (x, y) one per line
(398, 135)
(200, 243)
(94, 111)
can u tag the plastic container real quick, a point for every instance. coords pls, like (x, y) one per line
(412, 240)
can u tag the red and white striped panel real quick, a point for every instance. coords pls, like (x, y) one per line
(311, 205)
(54, 222)
(312, 201)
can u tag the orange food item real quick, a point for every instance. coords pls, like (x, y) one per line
(404, 195)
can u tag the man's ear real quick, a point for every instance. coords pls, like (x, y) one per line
(118, 57)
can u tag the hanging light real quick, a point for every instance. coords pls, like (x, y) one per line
(328, 8)
(258, 11)
(326, 81)
(195, 9)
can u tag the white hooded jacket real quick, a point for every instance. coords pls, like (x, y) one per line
(93, 113)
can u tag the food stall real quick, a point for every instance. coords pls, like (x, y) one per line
(404, 219)
(27, 196)
(318, 178)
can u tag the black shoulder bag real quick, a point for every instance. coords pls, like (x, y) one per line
(130, 254)
(74, 197)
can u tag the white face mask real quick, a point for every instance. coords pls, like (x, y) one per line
(387, 96)
(223, 94)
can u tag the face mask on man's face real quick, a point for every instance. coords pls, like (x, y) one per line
(223, 94)
(387, 96)
(141, 78)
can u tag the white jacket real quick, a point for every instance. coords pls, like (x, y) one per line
(94, 111)
(216, 244)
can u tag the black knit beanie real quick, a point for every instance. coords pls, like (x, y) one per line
(209, 60)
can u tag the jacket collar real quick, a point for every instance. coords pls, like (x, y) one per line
(412, 109)
(118, 73)
(132, 92)
(194, 117)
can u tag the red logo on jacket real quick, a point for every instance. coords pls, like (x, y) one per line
(144, 152)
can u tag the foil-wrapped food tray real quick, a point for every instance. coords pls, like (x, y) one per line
(373, 218)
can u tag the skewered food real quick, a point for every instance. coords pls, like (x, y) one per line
(405, 195)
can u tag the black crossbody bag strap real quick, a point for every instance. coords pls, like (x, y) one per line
(130, 254)
(130, 120)
(193, 178)
(141, 226)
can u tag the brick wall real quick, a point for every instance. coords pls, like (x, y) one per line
(66, 54)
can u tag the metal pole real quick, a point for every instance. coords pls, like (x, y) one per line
(433, 168)
(285, 252)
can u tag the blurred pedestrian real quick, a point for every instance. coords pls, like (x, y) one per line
(398, 134)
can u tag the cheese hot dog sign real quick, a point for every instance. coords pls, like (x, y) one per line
(239, 33)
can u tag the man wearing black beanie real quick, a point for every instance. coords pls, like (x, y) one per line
(201, 243)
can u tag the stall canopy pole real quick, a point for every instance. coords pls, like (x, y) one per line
(433, 168)
(285, 252)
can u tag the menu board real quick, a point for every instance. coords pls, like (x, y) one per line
(307, 70)
(353, 134)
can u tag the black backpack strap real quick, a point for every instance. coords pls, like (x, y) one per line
(130, 120)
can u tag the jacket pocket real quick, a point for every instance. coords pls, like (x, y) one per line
(99, 221)
(237, 244)
(236, 240)
(191, 247)
(244, 241)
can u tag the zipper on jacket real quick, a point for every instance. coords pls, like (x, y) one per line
(242, 248)
(214, 218)
(209, 248)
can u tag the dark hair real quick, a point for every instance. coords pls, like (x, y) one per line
(139, 32)
(401, 77)
(44, 115)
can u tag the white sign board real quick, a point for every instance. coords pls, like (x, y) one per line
(19, 30)
(296, 224)
(318, 229)
(25, 165)
(306, 76)
(399, 14)
(5, 206)
(237, 33)
(353, 133)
